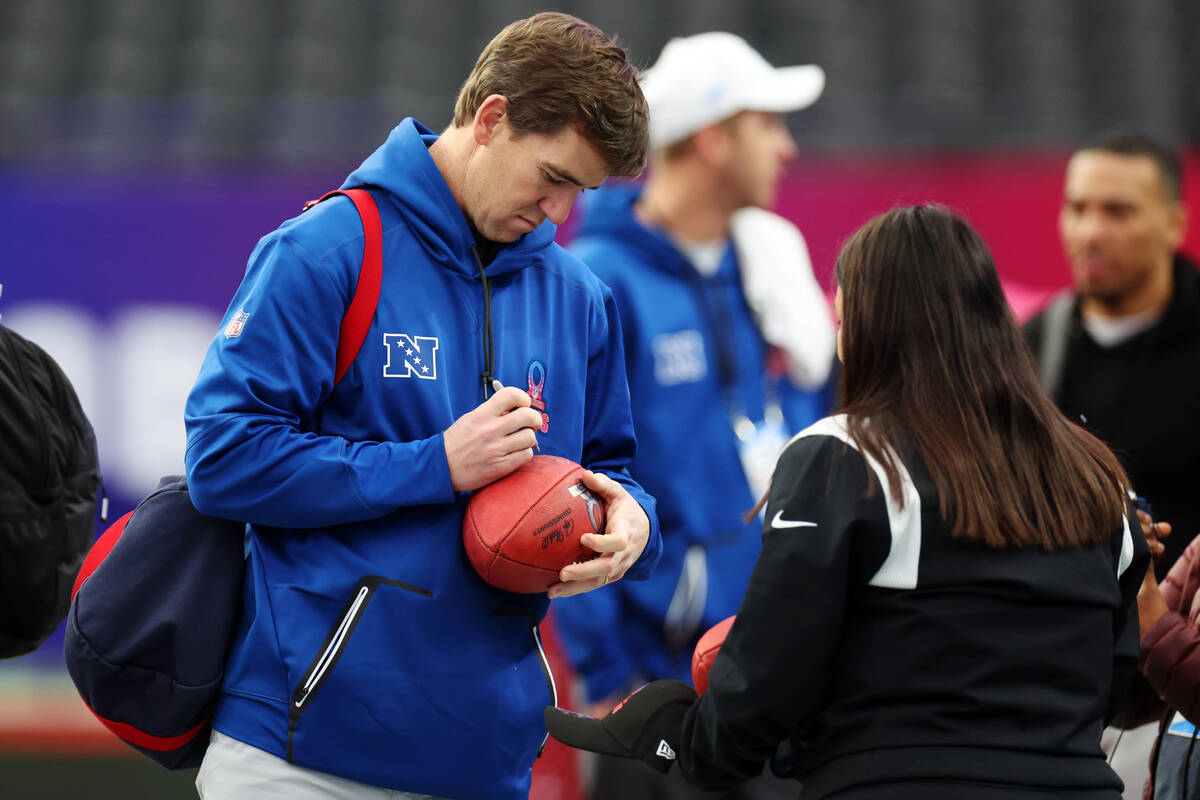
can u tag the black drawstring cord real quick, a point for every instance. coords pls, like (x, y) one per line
(489, 358)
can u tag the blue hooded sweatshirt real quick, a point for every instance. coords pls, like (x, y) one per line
(367, 645)
(694, 356)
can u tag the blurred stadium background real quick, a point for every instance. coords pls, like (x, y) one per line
(145, 145)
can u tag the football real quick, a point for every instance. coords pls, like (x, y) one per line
(520, 531)
(706, 652)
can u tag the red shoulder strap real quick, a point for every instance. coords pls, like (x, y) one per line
(358, 316)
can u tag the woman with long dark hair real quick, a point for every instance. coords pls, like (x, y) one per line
(944, 606)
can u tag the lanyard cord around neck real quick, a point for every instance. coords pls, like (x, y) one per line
(716, 317)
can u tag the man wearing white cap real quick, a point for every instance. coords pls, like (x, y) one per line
(729, 344)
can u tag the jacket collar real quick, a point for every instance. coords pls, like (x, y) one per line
(403, 169)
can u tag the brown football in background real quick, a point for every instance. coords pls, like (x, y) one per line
(706, 652)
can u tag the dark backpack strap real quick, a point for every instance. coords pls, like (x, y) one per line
(1052, 354)
(357, 320)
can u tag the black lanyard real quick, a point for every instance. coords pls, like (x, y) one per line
(716, 316)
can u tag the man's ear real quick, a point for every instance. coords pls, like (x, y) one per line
(1179, 223)
(713, 143)
(489, 118)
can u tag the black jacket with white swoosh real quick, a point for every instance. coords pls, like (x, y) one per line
(885, 650)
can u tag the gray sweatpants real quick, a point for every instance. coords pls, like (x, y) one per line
(234, 770)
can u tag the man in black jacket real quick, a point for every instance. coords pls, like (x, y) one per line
(1121, 353)
(1126, 345)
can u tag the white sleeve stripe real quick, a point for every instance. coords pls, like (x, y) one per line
(899, 569)
(1126, 549)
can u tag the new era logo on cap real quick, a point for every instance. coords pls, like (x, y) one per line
(664, 750)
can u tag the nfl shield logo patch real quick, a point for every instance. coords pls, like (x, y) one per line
(234, 328)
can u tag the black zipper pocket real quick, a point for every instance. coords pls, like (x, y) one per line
(537, 641)
(332, 649)
(535, 632)
(335, 644)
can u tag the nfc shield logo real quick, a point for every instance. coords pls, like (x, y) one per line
(410, 355)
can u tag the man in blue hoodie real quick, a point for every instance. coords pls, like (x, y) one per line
(370, 660)
(729, 343)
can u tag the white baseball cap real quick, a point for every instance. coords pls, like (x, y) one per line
(709, 77)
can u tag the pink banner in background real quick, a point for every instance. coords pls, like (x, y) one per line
(1012, 200)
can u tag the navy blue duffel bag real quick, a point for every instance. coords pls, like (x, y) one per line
(152, 615)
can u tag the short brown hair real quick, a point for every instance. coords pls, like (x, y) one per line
(558, 71)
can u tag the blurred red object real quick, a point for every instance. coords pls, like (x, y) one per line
(556, 775)
(706, 652)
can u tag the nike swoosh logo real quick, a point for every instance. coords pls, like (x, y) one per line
(780, 522)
